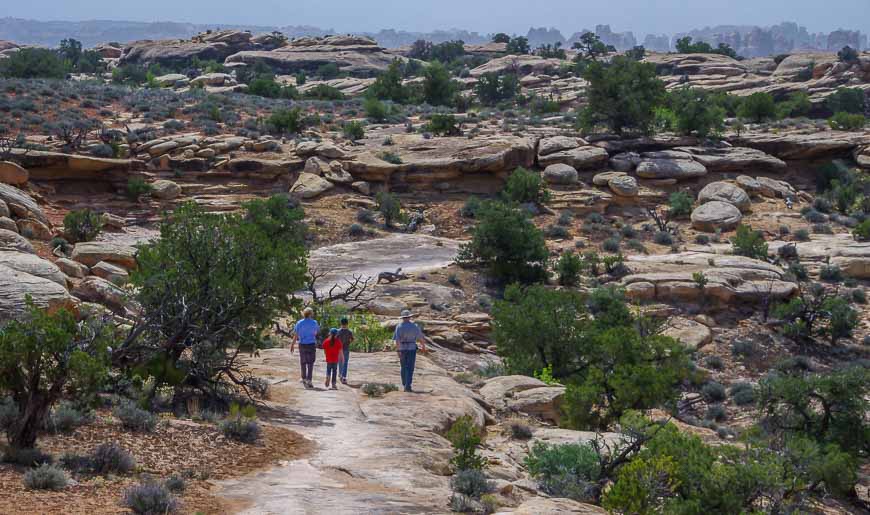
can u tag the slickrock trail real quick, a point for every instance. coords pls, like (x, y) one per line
(372, 455)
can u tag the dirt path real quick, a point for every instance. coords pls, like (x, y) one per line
(372, 455)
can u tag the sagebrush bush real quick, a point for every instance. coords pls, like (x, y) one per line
(175, 484)
(472, 483)
(66, 418)
(663, 238)
(378, 389)
(520, 431)
(831, 273)
(136, 188)
(150, 499)
(45, 477)
(365, 216)
(714, 391)
(241, 429)
(716, 412)
(111, 458)
(134, 418)
(26, 457)
(464, 504)
(714, 362)
(470, 208)
(524, 186)
(742, 393)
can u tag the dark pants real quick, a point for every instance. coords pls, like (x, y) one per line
(331, 371)
(407, 360)
(307, 355)
(343, 366)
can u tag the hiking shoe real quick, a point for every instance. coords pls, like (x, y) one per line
(343, 380)
(408, 389)
(333, 387)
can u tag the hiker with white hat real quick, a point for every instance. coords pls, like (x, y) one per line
(406, 337)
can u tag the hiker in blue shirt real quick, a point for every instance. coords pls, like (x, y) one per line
(305, 334)
(406, 337)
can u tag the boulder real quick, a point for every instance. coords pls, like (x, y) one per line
(338, 176)
(734, 159)
(519, 64)
(14, 242)
(92, 252)
(497, 390)
(624, 186)
(4, 209)
(11, 173)
(171, 80)
(165, 190)
(556, 506)
(773, 188)
(690, 333)
(316, 166)
(555, 144)
(71, 268)
(330, 151)
(362, 187)
(16, 286)
(101, 291)
(309, 186)
(625, 162)
(749, 184)
(34, 229)
(725, 192)
(716, 215)
(584, 157)
(33, 265)
(805, 147)
(112, 273)
(561, 174)
(8, 224)
(21, 204)
(680, 169)
(542, 402)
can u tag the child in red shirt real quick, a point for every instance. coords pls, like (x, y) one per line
(334, 356)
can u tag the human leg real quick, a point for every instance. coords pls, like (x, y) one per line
(411, 359)
(343, 366)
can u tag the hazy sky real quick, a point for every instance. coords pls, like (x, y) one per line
(641, 16)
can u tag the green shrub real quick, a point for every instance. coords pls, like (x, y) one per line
(241, 425)
(285, 121)
(847, 122)
(714, 362)
(568, 269)
(438, 88)
(556, 232)
(443, 125)
(323, 92)
(802, 235)
(390, 157)
(70, 354)
(758, 107)
(376, 110)
(846, 100)
(134, 418)
(267, 87)
(111, 458)
(388, 85)
(524, 186)
(150, 499)
(389, 207)
(862, 230)
(858, 296)
(565, 470)
(680, 204)
(492, 89)
(831, 273)
(695, 113)
(136, 188)
(797, 105)
(749, 243)
(641, 485)
(507, 243)
(34, 63)
(84, 225)
(353, 130)
(716, 413)
(45, 477)
(465, 438)
(622, 95)
(328, 71)
(471, 482)
(472, 206)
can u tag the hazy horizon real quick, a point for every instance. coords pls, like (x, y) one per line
(640, 16)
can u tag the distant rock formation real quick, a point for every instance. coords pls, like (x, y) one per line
(544, 36)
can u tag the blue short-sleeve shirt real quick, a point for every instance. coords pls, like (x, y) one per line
(406, 335)
(306, 330)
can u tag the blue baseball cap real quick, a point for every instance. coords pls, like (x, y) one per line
(333, 331)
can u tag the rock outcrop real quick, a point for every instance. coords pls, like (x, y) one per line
(92, 252)
(355, 55)
(725, 192)
(16, 286)
(715, 215)
(519, 64)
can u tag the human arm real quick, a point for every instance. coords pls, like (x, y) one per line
(422, 340)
